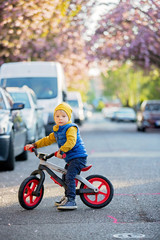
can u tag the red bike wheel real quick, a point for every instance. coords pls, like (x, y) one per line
(103, 197)
(26, 199)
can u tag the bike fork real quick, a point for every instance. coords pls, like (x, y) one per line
(40, 184)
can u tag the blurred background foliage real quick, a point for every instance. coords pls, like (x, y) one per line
(122, 37)
(131, 84)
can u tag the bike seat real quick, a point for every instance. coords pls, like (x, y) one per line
(86, 168)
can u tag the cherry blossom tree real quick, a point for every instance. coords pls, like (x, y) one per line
(45, 30)
(35, 28)
(56, 30)
(131, 30)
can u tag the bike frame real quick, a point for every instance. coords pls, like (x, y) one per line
(47, 166)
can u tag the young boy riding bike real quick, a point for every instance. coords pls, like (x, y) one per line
(67, 135)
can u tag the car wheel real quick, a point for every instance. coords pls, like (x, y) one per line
(23, 156)
(143, 129)
(10, 163)
(139, 129)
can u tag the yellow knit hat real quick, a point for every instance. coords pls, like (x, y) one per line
(65, 107)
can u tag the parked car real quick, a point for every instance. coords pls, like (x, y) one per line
(109, 112)
(32, 114)
(75, 101)
(125, 114)
(148, 116)
(13, 133)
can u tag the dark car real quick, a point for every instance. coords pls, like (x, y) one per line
(149, 115)
(13, 133)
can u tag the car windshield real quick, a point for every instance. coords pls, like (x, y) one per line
(127, 110)
(45, 88)
(21, 97)
(152, 107)
(2, 104)
(73, 103)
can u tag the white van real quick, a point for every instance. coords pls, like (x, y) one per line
(45, 78)
(75, 101)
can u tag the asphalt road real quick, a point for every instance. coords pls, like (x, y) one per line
(129, 159)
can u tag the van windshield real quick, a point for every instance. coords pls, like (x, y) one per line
(44, 88)
(73, 103)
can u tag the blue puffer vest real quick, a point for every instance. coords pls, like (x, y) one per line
(78, 150)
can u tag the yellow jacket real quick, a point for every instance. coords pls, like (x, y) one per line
(71, 136)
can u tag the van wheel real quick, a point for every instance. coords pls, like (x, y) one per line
(80, 122)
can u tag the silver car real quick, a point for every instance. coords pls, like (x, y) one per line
(32, 114)
(13, 133)
(125, 114)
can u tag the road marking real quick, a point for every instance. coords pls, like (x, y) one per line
(124, 154)
(115, 219)
(129, 235)
(136, 194)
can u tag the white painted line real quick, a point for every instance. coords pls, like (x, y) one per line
(124, 154)
(129, 235)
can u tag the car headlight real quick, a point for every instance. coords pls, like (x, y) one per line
(3, 127)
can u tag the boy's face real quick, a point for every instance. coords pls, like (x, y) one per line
(61, 117)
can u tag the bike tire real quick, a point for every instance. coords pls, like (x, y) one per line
(101, 198)
(25, 197)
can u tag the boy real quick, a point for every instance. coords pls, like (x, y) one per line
(67, 135)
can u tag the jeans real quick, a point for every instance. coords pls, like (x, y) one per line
(73, 168)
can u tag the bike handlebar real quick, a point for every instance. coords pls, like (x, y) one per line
(43, 156)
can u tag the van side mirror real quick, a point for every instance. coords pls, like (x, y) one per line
(17, 106)
(39, 108)
(64, 96)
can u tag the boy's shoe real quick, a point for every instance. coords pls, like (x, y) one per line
(69, 205)
(63, 200)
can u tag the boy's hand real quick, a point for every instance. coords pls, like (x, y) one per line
(58, 155)
(28, 147)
